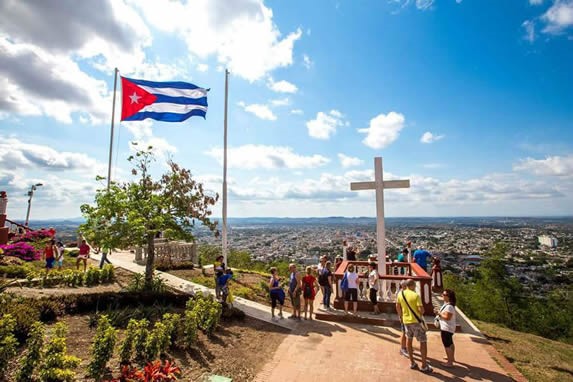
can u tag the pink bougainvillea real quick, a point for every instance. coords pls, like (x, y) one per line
(21, 250)
(35, 235)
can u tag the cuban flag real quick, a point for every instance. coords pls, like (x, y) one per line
(162, 101)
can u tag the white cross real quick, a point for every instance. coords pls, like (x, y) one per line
(379, 185)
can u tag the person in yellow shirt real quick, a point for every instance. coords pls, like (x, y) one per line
(411, 311)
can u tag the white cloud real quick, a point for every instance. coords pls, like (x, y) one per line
(424, 4)
(241, 34)
(383, 130)
(307, 61)
(561, 166)
(202, 67)
(428, 137)
(297, 111)
(348, 161)
(281, 86)
(142, 133)
(261, 111)
(529, 27)
(325, 125)
(558, 17)
(260, 156)
(280, 102)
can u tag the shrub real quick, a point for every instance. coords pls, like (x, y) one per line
(56, 365)
(156, 339)
(152, 372)
(126, 347)
(33, 353)
(190, 328)
(91, 276)
(173, 325)
(140, 339)
(13, 271)
(7, 341)
(107, 274)
(102, 348)
(244, 292)
(21, 250)
(207, 312)
(25, 315)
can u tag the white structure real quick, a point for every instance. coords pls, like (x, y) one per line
(548, 241)
(379, 185)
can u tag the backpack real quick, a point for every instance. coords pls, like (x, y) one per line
(344, 282)
(307, 290)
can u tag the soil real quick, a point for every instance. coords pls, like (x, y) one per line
(238, 349)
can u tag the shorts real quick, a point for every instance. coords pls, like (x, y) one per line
(447, 338)
(373, 296)
(50, 263)
(403, 328)
(295, 299)
(416, 330)
(351, 294)
(60, 263)
(280, 297)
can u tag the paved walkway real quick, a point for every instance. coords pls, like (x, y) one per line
(324, 351)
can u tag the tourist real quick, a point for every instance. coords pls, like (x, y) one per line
(84, 255)
(309, 291)
(50, 254)
(409, 307)
(447, 317)
(421, 258)
(401, 258)
(60, 254)
(277, 293)
(223, 282)
(403, 348)
(105, 251)
(373, 287)
(351, 254)
(337, 262)
(294, 291)
(218, 270)
(352, 291)
(325, 279)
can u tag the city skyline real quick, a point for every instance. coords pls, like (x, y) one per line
(477, 115)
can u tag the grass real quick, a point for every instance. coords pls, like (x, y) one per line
(537, 358)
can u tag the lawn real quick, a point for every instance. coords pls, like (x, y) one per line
(537, 358)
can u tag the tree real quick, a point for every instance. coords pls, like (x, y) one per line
(134, 213)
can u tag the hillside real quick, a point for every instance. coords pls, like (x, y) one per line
(539, 359)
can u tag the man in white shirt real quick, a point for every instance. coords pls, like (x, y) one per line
(373, 285)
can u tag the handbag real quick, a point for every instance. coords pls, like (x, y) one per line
(437, 318)
(422, 322)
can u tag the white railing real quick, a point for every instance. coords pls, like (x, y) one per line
(169, 252)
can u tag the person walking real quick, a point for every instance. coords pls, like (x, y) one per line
(84, 255)
(60, 254)
(105, 251)
(277, 293)
(447, 317)
(409, 307)
(294, 291)
(373, 287)
(309, 288)
(352, 291)
(50, 255)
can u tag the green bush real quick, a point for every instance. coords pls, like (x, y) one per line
(14, 271)
(107, 274)
(102, 348)
(126, 348)
(25, 315)
(244, 292)
(172, 323)
(189, 328)
(140, 340)
(33, 353)
(56, 364)
(7, 341)
(91, 277)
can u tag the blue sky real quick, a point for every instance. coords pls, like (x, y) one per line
(470, 100)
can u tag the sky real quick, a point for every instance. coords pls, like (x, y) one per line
(471, 100)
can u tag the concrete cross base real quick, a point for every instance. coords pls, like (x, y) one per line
(4, 235)
(366, 306)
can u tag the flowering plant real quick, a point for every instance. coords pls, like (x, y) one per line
(35, 235)
(21, 250)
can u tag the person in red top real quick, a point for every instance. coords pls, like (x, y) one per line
(49, 255)
(84, 255)
(309, 288)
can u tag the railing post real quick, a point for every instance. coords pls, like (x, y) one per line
(437, 279)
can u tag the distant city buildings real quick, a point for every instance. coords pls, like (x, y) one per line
(548, 241)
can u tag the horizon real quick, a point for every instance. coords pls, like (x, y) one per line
(477, 116)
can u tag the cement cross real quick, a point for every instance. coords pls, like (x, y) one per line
(379, 185)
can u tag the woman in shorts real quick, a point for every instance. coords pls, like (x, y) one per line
(84, 255)
(50, 254)
(309, 288)
(447, 317)
(352, 291)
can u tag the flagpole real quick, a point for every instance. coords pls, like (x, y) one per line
(112, 125)
(225, 170)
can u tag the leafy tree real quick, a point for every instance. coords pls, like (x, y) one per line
(134, 213)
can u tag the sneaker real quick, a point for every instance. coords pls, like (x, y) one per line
(281, 315)
(427, 369)
(404, 352)
(414, 366)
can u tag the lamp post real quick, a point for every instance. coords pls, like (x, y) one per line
(30, 194)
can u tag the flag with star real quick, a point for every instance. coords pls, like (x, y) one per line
(162, 101)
